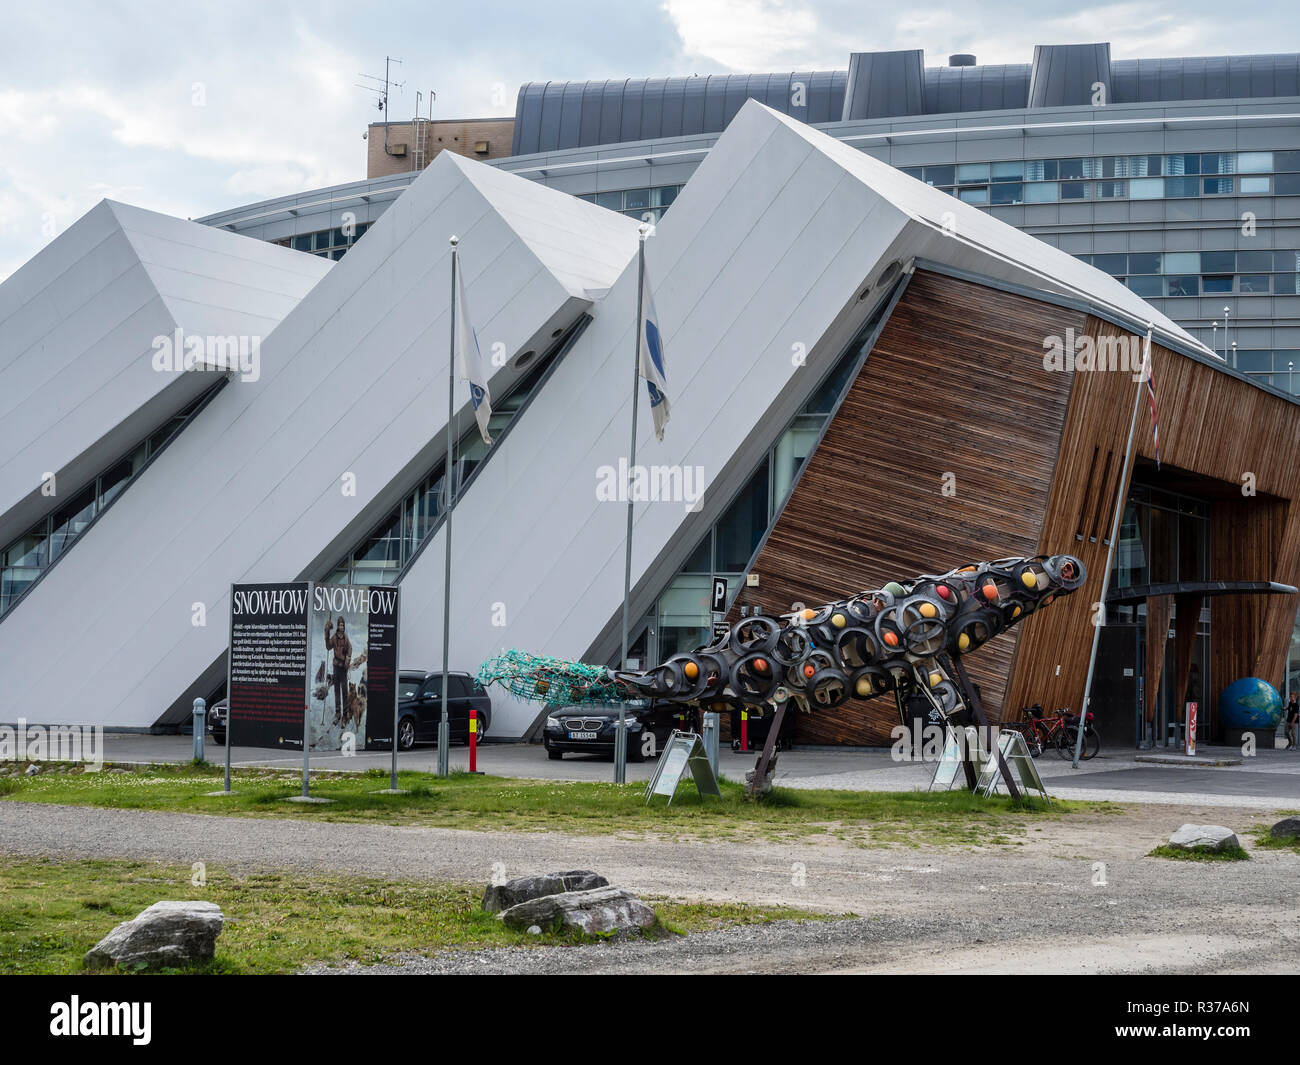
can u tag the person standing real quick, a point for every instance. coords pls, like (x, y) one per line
(339, 643)
(1292, 720)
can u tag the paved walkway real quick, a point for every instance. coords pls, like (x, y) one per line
(1263, 781)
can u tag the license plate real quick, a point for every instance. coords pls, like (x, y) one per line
(582, 735)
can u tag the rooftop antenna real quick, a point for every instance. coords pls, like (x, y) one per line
(380, 87)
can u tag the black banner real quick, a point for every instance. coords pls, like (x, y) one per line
(268, 665)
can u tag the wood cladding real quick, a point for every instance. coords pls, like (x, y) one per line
(955, 385)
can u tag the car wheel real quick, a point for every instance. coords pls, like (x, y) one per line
(219, 738)
(406, 734)
(554, 755)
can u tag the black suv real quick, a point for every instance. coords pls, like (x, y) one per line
(419, 708)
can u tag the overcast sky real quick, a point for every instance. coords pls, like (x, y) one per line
(192, 108)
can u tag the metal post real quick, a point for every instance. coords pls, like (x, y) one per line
(711, 728)
(200, 728)
(1120, 499)
(444, 727)
(230, 691)
(306, 747)
(397, 686)
(620, 735)
(229, 739)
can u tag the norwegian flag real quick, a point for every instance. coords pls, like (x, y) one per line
(1149, 372)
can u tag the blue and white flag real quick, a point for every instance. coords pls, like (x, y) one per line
(470, 361)
(651, 357)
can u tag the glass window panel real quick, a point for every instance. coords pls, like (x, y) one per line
(1218, 163)
(940, 175)
(823, 400)
(1182, 164)
(1008, 192)
(1219, 283)
(701, 558)
(663, 196)
(1182, 187)
(1075, 190)
(1111, 264)
(1286, 185)
(381, 553)
(302, 243)
(70, 520)
(1218, 262)
(972, 173)
(1071, 168)
(1286, 261)
(1254, 185)
(612, 200)
(1182, 262)
(1254, 162)
(1255, 261)
(1286, 161)
(685, 603)
(1008, 171)
(340, 237)
(1144, 262)
(1112, 190)
(795, 445)
(1219, 186)
(912, 171)
(1255, 283)
(974, 195)
(1184, 286)
(28, 552)
(1041, 170)
(1146, 189)
(114, 479)
(1250, 360)
(1042, 192)
(1285, 284)
(1147, 287)
(636, 199)
(743, 525)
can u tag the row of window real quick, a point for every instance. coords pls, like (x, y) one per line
(1121, 264)
(1214, 285)
(386, 552)
(1132, 177)
(645, 205)
(27, 557)
(328, 243)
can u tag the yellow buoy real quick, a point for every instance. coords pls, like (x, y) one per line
(935, 678)
(928, 610)
(1028, 579)
(809, 614)
(864, 686)
(963, 642)
(839, 620)
(1016, 613)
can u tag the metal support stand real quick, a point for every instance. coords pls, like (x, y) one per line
(769, 746)
(977, 708)
(620, 746)
(711, 727)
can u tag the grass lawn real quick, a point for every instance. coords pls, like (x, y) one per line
(52, 912)
(582, 807)
(1200, 854)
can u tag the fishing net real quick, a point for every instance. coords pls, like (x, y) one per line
(552, 680)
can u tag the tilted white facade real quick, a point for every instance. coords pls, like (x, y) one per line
(767, 265)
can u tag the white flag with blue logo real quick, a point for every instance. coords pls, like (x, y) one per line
(470, 361)
(651, 358)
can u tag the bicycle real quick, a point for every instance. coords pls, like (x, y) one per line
(1070, 736)
(1038, 731)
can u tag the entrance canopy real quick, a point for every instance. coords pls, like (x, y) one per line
(1137, 593)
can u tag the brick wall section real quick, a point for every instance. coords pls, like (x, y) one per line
(457, 135)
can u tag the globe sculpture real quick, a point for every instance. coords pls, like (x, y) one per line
(904, 637)
(1250, 703)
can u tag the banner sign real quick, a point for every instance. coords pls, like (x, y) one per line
(684, 751)
(320, 657)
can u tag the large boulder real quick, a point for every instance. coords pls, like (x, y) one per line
(1205, 837)
(599, 911)
(500, 897)
(1287, 828)
(166, 935)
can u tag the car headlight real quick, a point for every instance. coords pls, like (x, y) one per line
(552, 722)
(633, 721)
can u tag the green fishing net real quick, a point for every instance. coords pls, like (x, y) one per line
(551, 680)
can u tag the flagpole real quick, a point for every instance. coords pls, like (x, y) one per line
(1121, 499)
(620, 736)
(444, 727)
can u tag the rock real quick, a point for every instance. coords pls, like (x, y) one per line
(1287, 828)
(500, 897)
(1205, 837)
(166, 934)
(534, 930)
(755, 789)
(596, 912)
(32, 770)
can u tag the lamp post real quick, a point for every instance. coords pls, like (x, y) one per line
(1226, 313)
(1290, 377)
(1234, 354)
(1214, 342)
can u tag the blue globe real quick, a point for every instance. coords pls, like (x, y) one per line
(1250, 703)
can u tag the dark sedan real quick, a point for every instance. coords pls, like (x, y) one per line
(591, 730)
(419, 708)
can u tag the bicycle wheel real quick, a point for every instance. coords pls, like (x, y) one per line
(1069, 737)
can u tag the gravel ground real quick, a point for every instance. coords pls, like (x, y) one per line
(1031, 906)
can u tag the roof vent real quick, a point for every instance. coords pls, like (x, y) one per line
(961, 59)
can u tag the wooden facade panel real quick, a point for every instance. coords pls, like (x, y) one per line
(955, 385)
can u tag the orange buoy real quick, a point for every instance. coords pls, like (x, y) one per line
(990, 591)
(891, 638)
(760, 665)
(809, 669)
(691, 670)
(809, 614)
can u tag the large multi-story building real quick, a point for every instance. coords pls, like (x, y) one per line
(912, 295)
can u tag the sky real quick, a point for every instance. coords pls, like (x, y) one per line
(190, 108)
